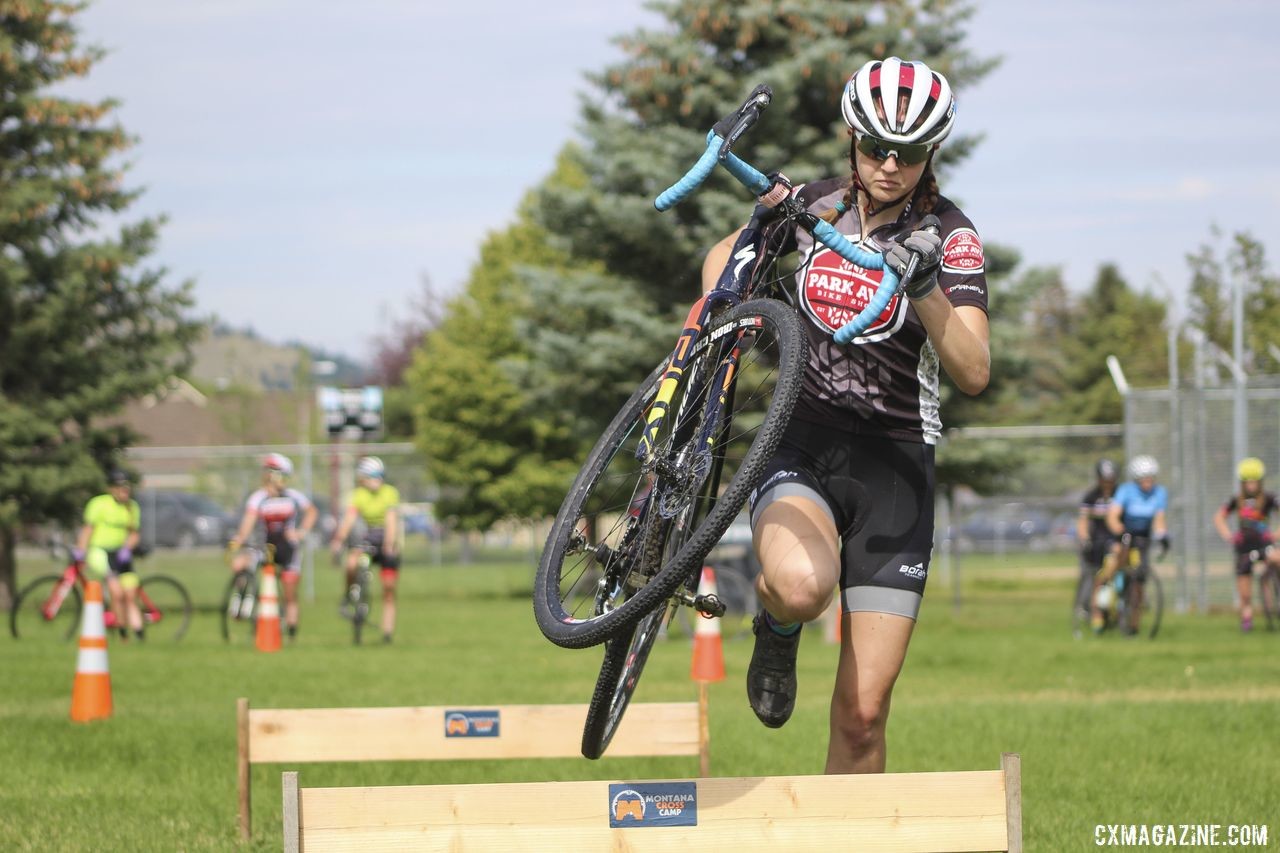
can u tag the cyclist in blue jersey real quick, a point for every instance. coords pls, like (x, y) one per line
(1136, 517)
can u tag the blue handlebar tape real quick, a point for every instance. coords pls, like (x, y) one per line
(867, 260)
(682, 188)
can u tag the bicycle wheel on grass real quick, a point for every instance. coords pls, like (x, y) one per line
(1152, 608)
(240, 608)
(36, 617)
(1269, 589)
(607, 560)
(165, 606)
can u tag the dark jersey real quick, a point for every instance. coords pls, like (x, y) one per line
(1253, 512)
(886, 381)
(1095, 505)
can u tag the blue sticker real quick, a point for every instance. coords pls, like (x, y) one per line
(653, 804)
(471, 723)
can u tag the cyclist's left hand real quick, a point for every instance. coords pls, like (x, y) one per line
(124, 554)
(293, 536)
(1163, 539)
(926, 244)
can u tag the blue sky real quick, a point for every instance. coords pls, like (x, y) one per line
(316, 159)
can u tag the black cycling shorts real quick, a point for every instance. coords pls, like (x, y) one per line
(287, 556)
(375, 537)
(1251, 548)
(116, 566)
(879, 492)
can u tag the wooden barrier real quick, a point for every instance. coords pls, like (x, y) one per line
(449, 733)
(891, 812)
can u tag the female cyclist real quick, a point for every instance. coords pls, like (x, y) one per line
(375, 502)
(287, 516)
(1253, 507)
(1137, 516)
(106, 544)
(1092, 534)
(847, 501)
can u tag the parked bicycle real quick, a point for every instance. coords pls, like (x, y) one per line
(49, 607)
(240, 601)
(678, 461)
(358, 601)
(1118, 596)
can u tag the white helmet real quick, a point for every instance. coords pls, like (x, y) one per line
(371, 466)
(1143, 466)
(871, 102)
(278, 462)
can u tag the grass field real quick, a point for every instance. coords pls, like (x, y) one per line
(1182, 729)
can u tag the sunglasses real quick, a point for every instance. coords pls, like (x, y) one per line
(908, 154)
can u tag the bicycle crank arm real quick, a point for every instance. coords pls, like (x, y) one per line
(709, 606)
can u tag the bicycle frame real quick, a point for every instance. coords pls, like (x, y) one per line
(73, 575)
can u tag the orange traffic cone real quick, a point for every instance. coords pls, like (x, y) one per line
(268, 634)
(708, 653)
(91, 693)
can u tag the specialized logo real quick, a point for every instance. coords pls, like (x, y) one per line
(962, 252)
(471, 723)
(918, 571)
(653, 804)
(835, 292)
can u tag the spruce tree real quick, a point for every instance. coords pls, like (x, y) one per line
(83, 326)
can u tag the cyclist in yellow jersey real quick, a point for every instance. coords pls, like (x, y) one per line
(105, 548)
(375, 502)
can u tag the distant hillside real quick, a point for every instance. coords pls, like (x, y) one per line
(228, 357)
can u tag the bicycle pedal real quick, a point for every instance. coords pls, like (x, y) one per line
(710, 606)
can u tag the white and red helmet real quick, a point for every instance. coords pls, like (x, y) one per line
(278, 463)
(872, 102)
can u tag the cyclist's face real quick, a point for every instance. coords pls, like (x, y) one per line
(119, 491)
(887, 179)
(1146, 483)
(273, 480)
(1251, 487)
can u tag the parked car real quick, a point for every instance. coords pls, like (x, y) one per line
(183, 519)
(1012, 525)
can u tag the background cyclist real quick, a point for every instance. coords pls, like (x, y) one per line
(1253, 507)
(106, 544)
(1136, 517)
(375, 502)
(866, 421)
(286, 516)
(1092, 534)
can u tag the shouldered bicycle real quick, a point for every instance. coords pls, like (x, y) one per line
(679, 459)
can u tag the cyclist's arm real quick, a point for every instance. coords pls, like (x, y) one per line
(716, 259)
(246, 525)
(1082, 525)
(1220, 522)
(344, 527)
(961, 335)
(1159, 525)
(308, 520)
(1115, 515)
(82, 539)
(391, 530)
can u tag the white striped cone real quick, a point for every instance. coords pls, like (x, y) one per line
(91, 691)
(267, 637)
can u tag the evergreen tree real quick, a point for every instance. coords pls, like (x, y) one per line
(82, 327)
(1214, 273)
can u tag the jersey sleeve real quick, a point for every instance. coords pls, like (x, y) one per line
(135, 516)
(300, 499)
(1162, 499)
(1231, 505)
(963, 276)
(91, 511)
(394, 500)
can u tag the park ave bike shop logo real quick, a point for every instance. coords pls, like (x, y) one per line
(471, 723)
(962, 252)
(835, 291)
(663, 804)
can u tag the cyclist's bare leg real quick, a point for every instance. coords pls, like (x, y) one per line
(353, 562)
(1244, 588)
(872, 649)
(799, 551)
(389, 581)
(1118, 555)
(132, 611)
(290, 583)
(116, 591)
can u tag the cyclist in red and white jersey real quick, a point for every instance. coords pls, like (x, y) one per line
(286, 516)
(847, 501)
(1253, 541)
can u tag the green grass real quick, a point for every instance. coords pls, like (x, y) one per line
(1111, 730)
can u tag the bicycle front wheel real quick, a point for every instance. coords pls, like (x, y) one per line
(165, 607)
(240, 608)
(38, 615)
(1269, 587)
(624, 659)
(636, 524)
(1152, 608)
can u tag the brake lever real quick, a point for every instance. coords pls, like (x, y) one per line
(933, 226)
(744, 119)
